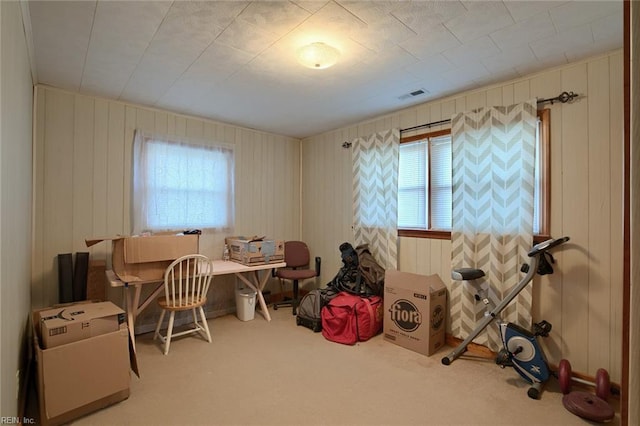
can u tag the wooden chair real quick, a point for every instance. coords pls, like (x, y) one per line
(185, 288)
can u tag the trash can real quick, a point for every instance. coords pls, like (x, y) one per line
(245, 303)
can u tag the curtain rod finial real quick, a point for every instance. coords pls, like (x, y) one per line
(346, 144)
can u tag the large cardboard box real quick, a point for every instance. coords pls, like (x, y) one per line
(255, 251)
(78, 378)
(66, 324)
(145, 258)
(414, 311)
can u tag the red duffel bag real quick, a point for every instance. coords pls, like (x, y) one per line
(348, 318)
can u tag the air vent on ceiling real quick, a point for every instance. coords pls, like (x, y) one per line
(413, 94)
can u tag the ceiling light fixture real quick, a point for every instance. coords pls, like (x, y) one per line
(318, 55)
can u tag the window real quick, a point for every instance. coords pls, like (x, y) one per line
(179, 185)
(425, 188)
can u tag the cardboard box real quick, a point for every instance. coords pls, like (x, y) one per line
(145, 258)
(414, 311)
(66, 324)
(255, 251)
(81, 377)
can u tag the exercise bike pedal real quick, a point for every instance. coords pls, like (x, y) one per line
(503, 359)
(542, 328)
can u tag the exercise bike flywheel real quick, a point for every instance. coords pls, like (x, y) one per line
(521, 348)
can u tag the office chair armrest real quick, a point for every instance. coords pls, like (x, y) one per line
(318, 261)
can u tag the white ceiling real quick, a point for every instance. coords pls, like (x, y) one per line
(234, 61)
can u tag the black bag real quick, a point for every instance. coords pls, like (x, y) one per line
(360, 273)
(311, 306)
(371, 272)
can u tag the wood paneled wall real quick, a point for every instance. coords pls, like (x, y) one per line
(583, 299)
(83, 149)
(16, 102)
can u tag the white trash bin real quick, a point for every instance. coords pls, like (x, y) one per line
(245, 303)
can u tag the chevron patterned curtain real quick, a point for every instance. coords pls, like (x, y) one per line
(493, 152)
(375, 195)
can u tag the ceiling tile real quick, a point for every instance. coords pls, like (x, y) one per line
(422, 16)
(565, 41)
(430, 67)
(465, 75)
(521, 10)
(471, 51)
(246, 37)
(607, 29)
(61, 40)
(386, 34)
(481, 18)
(280, 16)
(438, 40)
(576, 13)
(524, 32)
(121, 33)
(310, 6)
(508, 59)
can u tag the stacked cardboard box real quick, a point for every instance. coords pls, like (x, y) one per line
(255, 251)
(67, 324)
(85, 374)
(145, 258)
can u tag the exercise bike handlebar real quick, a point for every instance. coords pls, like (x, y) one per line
(546, 245)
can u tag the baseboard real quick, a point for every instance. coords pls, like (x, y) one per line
(473, 348)
(147, 328)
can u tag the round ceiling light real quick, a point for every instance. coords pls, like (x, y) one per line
(318, 55)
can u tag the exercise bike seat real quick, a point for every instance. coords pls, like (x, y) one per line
(466, 274)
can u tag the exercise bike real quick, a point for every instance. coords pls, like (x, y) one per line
(520, 346)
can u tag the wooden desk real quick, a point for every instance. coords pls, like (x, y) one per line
(250, 275)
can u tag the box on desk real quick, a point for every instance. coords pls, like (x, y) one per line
(255, 251)
(80, 377)
(414, 311)
(66, 324)
(145, 258)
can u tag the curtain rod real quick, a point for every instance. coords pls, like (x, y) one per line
(563, 98)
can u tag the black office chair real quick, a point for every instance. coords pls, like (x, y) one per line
(298, 259)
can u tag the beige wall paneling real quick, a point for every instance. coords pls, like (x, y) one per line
(547, 289)
(99, 177)
(599, 215)
(494, 96)
(39, 291)
(16, 190)
(521, 91)
(575, 175)
(58, 186)
(115, 180)
(82, 161)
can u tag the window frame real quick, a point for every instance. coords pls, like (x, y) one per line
(544, 115)
(143, 191)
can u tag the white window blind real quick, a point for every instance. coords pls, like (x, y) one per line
(179, 185)
(425, 186)
(537, 196)
(412, 185)
(441, 183)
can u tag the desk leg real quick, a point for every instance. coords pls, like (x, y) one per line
(262, 283)
(131, 314)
